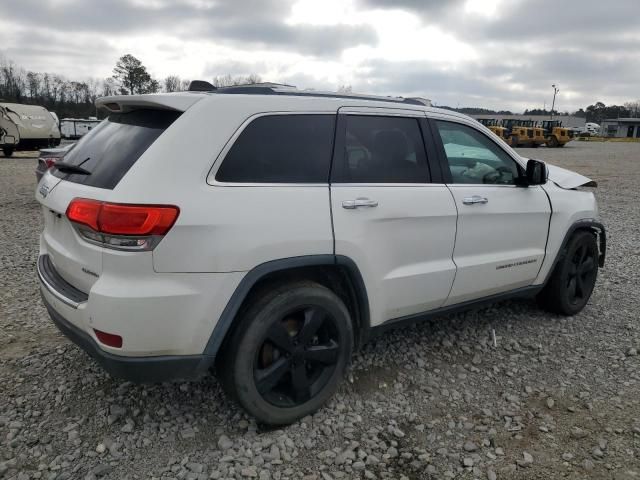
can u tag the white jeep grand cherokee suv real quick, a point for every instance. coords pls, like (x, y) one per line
(270, 232)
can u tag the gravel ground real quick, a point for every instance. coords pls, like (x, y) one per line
(557, 398)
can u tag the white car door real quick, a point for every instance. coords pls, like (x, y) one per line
(388, 218)
(502, 227)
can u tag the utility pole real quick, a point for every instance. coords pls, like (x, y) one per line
(555, 91)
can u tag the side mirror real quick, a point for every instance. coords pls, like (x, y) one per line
(536, 173)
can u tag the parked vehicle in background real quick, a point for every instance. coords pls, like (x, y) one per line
(9, 134)
(74, 128)
(590, 129)
(496, 127)
(271, 232)
(555, 134)
(520, 135)
(55, 117)
(534, 132)
(49, 157)
(35, 126)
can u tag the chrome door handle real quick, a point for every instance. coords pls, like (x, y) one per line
(359, 202)
(474, 199)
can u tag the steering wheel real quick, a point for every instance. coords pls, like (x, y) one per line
(496, 177)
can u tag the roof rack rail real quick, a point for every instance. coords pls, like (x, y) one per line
(269, 88)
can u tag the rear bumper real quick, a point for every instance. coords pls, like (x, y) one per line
(164, 330)
(135, 369)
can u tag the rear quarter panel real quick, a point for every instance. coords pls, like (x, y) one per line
(224, 228)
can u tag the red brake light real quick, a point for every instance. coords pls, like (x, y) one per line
(49, 162)
(118, 219)
(136, 220)
(84, 212)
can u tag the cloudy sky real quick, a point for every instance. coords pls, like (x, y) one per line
(488, 53)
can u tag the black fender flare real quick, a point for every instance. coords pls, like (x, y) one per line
(226, 319)
(584, 224)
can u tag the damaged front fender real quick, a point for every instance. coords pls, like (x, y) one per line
(567, 179)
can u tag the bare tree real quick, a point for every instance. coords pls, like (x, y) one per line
(634, 108)
(253, 78)
(172, 83)
(344, 89)
(109, 87)
(230, 81)
(33, 84)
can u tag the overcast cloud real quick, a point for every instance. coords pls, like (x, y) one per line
(488, 53)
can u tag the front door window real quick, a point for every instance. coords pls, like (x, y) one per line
(474, 158)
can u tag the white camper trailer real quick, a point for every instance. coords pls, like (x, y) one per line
(26, 127)
(74, 128)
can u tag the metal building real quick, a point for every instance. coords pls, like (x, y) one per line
(621, 127)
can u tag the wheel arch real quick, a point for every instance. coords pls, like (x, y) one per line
(589, 225)
(336, 272)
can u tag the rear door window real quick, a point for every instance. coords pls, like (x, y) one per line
(382, 150)
(281, 149)
(110, 149)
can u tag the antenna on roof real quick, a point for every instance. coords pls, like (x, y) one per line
(200, 86)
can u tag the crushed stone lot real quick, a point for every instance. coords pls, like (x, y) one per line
(557, 398)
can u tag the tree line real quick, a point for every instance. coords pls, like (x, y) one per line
(72, 98)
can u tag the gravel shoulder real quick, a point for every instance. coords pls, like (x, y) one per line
(557, 398)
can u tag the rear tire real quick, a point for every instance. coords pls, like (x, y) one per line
(553, 142)
(7, 151)
(574, 277)
(288, 353)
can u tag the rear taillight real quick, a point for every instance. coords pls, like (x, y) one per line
(49, 161)
(122, 226)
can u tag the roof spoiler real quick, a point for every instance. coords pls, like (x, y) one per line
(157, 101)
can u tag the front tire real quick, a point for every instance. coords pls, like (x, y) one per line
(574, 277)
(288, 353)
(7, 151)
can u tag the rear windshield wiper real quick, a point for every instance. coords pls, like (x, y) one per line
(70, 168)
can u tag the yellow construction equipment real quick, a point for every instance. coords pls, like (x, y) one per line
(495, 126)
(534, 132)
(555, 134)
(520, 135)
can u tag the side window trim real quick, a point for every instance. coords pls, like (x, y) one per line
(337, 160)
(443, 161)
(339, 146)
(433, 152)
(445, 172)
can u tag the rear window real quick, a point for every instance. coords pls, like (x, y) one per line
(281, 149)
(110, 149)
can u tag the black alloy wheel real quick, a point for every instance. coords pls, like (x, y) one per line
(298, 356)
(574, 277)
(288, 352)
(581, 274)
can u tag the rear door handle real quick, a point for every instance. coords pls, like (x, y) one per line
(474, 199)
(359, 202)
